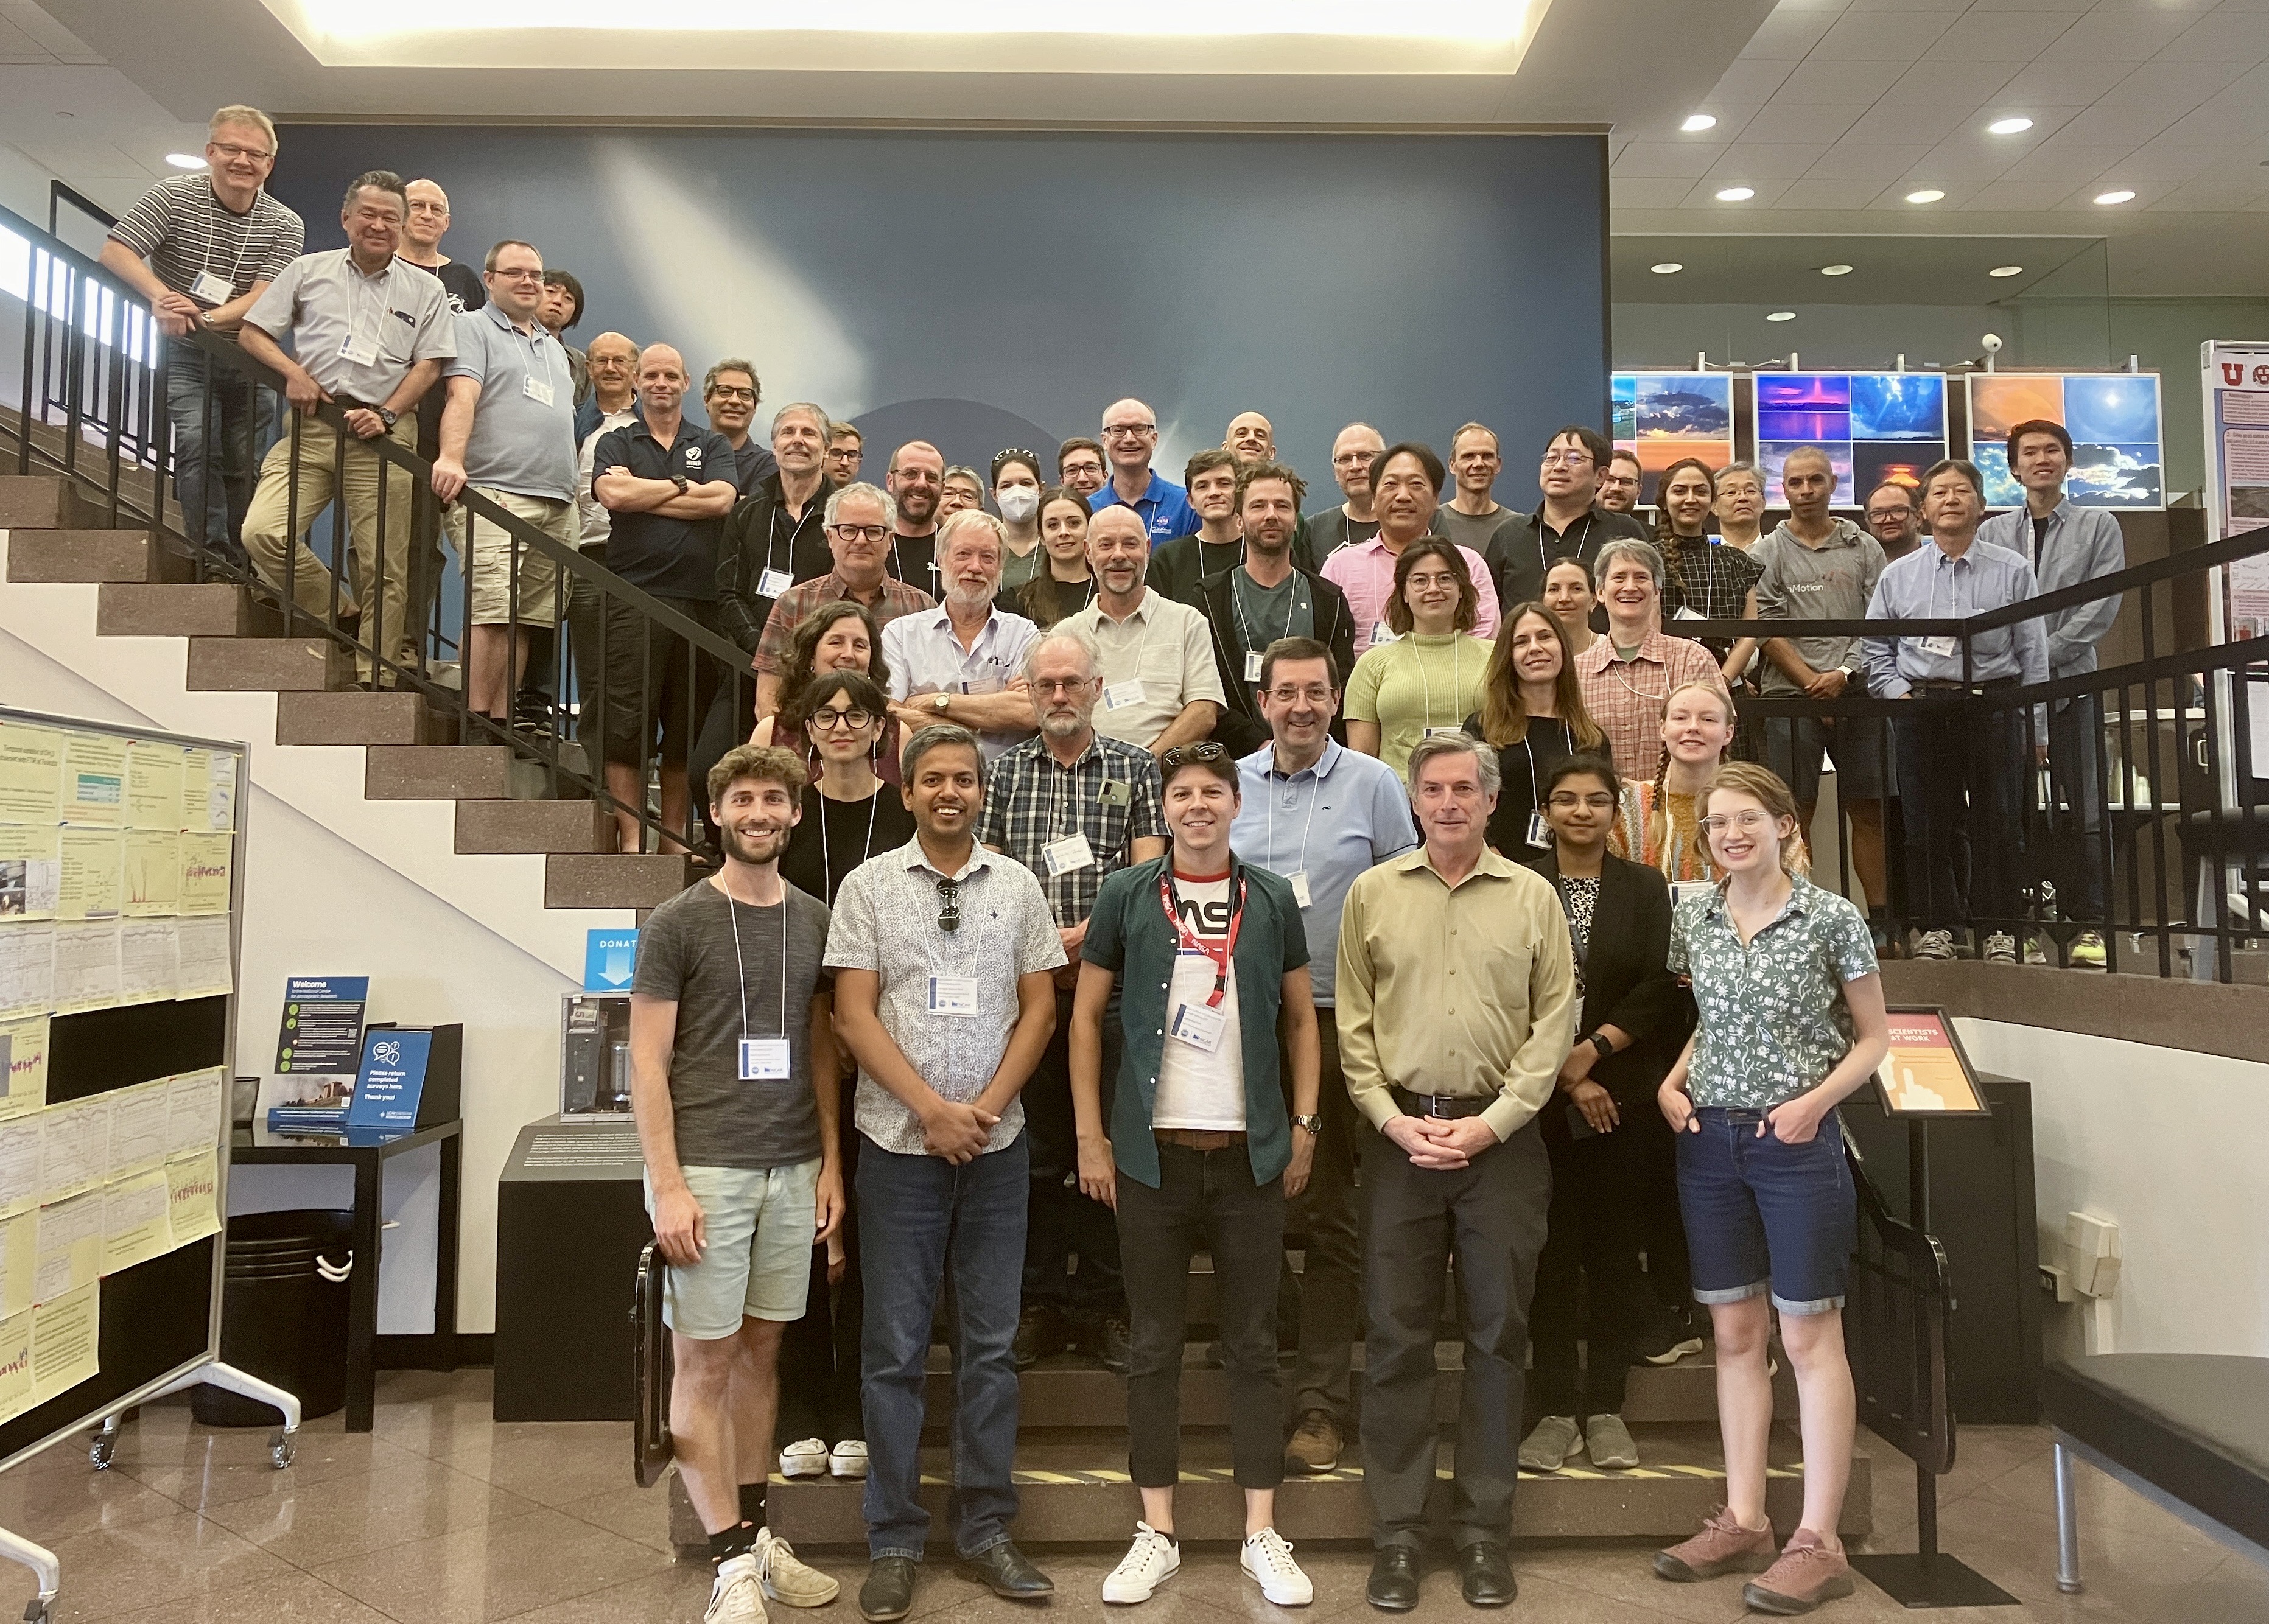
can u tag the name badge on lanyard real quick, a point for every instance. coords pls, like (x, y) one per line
(1539, 836)
(1381, 633)
(211, 289)
(1945, 648)
(772, 583)
(1300, 887)
(763, 1058)
(1199, 1025)
(953, 996)
(1063, 856)
(360, 351)
(1120, 696)
(1252, 665)
(536, 390)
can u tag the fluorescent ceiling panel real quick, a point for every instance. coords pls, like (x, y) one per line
(900, 36)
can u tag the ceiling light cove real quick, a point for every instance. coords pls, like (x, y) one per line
(1697, 121)
(1737, 194)
(1782, 315)
(898, 36)
(2006, 270)
(2009, 126)
(1669, 268)
(2109, 198)
(1928, 195)
(185, 160)
(1835, 270)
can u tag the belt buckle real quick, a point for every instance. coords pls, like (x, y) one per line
(1434, 1108)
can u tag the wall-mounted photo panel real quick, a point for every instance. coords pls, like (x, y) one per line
(1873, 426)
(1663, 416)
(2114, 422)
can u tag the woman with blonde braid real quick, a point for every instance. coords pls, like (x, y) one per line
(1658, 824)
(1427, 677)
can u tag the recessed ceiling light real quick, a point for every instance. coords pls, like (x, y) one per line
(1835, 270)
(2006, 270)
(185, 160)
(1782, 315)
(1741, 194)
(1699, 121)
(2114, 197)
(1929, 194)
(2009, 126)
(1669, 268)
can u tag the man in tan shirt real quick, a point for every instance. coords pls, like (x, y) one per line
(1457, 992)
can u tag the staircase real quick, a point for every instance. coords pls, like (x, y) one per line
(1073, 1487)
(235, 643)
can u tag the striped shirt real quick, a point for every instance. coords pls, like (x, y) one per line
(181, 228)
(1031, 800)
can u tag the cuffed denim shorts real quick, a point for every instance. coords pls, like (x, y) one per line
(759, 1224)
(1762, 1215)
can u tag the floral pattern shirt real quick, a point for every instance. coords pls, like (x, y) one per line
(1774, 1019)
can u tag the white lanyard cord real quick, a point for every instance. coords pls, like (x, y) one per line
(733, 911)
(1315, 794)
(220, 218)
(1426, 688)
(1237, 603)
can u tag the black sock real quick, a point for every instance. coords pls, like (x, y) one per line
(752, 1505)
(732, 1542)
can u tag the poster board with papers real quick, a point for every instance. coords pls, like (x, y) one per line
(121, 857)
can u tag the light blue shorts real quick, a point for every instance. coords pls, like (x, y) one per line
(758, 1224)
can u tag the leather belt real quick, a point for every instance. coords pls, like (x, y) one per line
(1441, 1105)
(1199, 1138)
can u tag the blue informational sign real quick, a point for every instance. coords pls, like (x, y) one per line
(321, 1027)
(609, 956)
(392, 1077)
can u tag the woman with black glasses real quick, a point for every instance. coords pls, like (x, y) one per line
(835, 637)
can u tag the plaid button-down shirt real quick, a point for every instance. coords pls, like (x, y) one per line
(794, 606)
(1031, 800)
(1627, 697)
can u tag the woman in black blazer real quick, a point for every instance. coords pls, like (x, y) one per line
(1635, 1018)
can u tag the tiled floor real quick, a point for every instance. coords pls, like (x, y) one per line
(444, 1517)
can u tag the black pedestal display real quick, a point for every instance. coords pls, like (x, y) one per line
(570, 1222)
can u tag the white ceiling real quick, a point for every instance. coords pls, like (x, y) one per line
(1832, 110)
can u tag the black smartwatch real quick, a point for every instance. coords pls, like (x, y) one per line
(683, 484)
(1607, 1049)
(389, 419)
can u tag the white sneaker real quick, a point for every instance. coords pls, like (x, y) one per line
(1148, 1562)
(1267, 1557)
(805, 1458)
(737, 1595)
(786, 1577)
(1937, 944)
(2000, 948)
(849, 1458)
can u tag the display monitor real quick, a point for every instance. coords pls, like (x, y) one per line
(2114, 422)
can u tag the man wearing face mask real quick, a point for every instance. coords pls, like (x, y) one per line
(916, 480)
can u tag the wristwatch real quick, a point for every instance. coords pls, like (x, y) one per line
(1607, 1049)
(683, 484)
(389, 419)
(941, 704)
(1311, 1122)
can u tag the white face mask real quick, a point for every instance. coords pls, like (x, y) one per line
(1017, 503)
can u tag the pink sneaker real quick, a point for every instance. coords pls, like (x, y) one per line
(1808, 1573)
(1722, 1546)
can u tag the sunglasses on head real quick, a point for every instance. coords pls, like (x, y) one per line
(1180, 753)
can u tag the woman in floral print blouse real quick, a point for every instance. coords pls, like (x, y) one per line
(1792, 1022)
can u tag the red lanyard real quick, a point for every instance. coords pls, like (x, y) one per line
(1190, 940)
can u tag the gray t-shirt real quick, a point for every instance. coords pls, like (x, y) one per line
(523, 436)
(1467, 531)
(686, 954)
(1264, 614)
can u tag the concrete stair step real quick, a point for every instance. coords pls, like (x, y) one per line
(47, 502)
(530, 826)
(276, 665)
(174, 609)
(353, 717)
(48, 554)
(436, 772)
(613, 879)
(1078, 1493)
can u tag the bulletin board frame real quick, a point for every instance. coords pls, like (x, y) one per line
(145, 1341)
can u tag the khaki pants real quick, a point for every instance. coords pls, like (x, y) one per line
(309, 482)
(506, 580)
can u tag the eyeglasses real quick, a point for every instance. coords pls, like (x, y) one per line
(1130, 431)
(1567, 458)
(517, 275)
(1180, 753)
(830, 718)
(733, 392)
(844, 453)
(1568, 800)
(1066, 685)
(1353, 458)
(948, 895)
(1090, 466)
(1744, 823)
(861, 532)
(1886, 516)
(1314, 693)
(227, 148)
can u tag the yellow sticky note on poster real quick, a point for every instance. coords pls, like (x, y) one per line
(24, 1059)
(66, 1342)
(94, 779)
(20, 1261)
(137, 1220)
(153, 872)
(153, 786)
(204, 873)
(15, 1365)
(31, 774)
(193, 1183)
(92, 866)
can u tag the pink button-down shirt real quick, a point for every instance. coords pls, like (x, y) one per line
(1365, 572)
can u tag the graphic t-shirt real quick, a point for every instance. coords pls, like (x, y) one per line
(1198, 1089)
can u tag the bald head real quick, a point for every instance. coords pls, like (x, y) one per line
(1352, 451)
(428, 219)
(1130, 437)
(916, 480)
(1252, 438)
(661, 382)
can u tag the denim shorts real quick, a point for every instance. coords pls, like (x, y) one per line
(1762, 1215)
(758, 1223)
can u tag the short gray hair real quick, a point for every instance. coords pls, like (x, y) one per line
(237, 113)
(1434, 744)
(956, 523)
(1079, 640)
(859, 488)
(937, 736)
(804, 408)
(1649, 558)
(732, 364)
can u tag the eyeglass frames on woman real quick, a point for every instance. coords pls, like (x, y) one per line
(948, 893)
(829, 719)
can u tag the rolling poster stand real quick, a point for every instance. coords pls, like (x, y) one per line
(121, 891)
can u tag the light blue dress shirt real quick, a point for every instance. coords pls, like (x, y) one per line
(2082, 543)
(1927, 585)
(1331, 822)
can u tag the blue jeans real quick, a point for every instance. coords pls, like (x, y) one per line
(1763, 1216)
(918, 1216)
(216, 440)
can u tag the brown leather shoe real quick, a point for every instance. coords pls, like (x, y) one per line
(1722, 1546)
(1808, 1573)
(1316, 1443)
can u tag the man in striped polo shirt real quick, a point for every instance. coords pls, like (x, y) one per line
(212, 242)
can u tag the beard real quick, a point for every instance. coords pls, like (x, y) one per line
(759, 847)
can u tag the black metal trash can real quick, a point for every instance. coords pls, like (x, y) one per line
(284, 1314)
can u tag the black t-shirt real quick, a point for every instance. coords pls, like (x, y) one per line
(1176, 567)
(463, 285)
(669, 558)
(1522, 767)
(835, 836)
(754, 463)
(913, 560)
